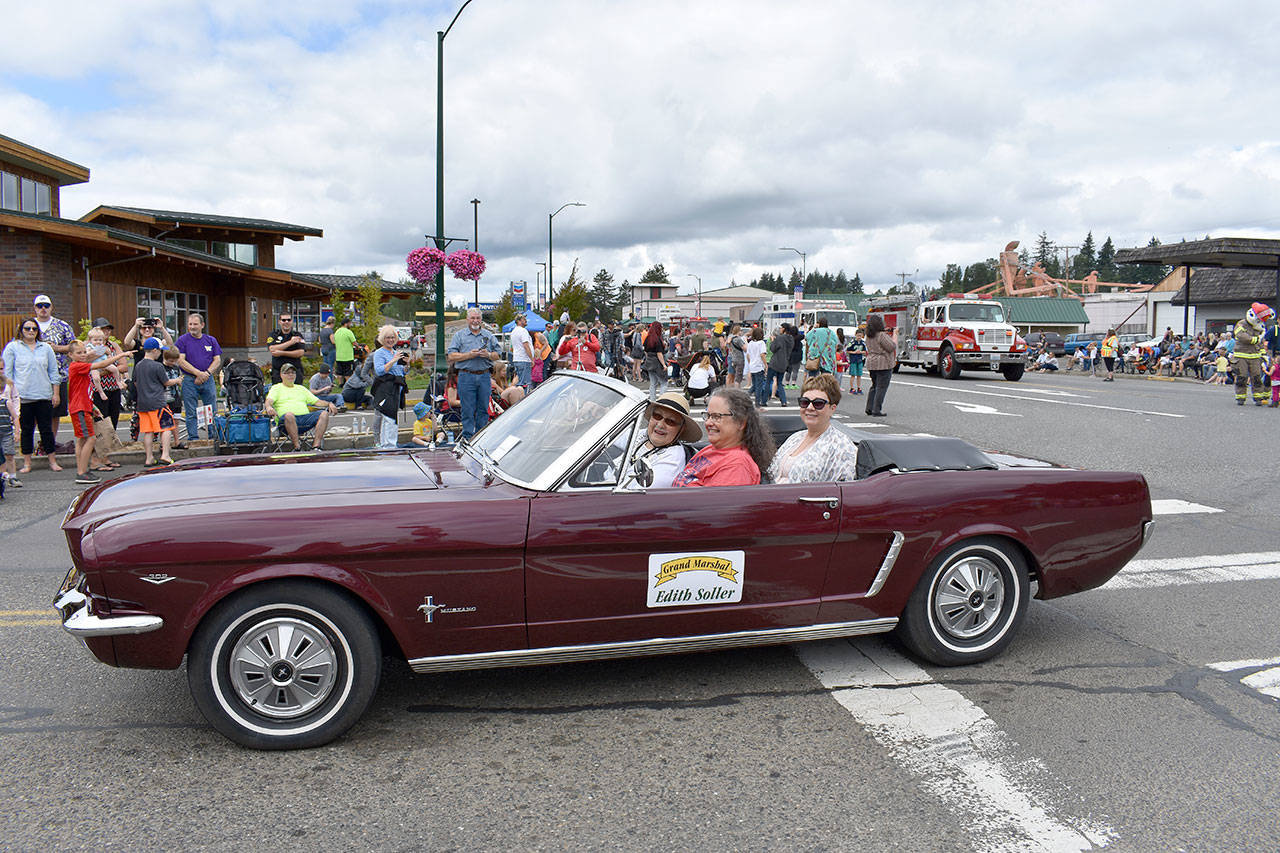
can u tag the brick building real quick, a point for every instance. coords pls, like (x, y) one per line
(127, 262)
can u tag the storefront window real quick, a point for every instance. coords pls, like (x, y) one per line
(253, 319)
(172, 307)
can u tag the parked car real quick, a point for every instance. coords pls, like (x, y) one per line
(1051, 340)
(283, 580)
(1079, 339)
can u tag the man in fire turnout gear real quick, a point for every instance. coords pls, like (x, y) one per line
(1248, 354)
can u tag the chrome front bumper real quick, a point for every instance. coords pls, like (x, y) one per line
(78, 618)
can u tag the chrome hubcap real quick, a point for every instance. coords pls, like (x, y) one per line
(283, 667)
(968, 597)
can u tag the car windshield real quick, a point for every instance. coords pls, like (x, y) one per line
(529, 439)
(983, 312)
(837, 318)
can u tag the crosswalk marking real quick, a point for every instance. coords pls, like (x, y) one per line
(1265, 680)
(957, 751)
(1212, 568)
(1172, 506)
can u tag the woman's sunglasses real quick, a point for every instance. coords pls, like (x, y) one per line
(30, 328)
(818, 404)
(666, 419)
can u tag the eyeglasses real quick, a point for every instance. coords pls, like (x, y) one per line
(44, 304)
(716, 417)
(666, 419)
(818, 404)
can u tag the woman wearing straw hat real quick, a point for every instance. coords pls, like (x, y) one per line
(669, 425)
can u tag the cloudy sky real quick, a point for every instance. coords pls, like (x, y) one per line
(877, 137)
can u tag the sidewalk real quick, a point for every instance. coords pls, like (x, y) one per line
(341, 435)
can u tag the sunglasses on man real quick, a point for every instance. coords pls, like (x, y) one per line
(44, 304)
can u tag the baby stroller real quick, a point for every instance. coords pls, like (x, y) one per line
(244, 428)
(687, 362)
(447, 422)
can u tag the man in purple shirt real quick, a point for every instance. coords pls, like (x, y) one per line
(200, 360)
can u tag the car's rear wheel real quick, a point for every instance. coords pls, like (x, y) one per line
(284, 665)
(968, 604)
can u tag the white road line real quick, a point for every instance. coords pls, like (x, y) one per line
(1176, 571)
(1233, 665)
(951, 388)
(960, 755)
(979, 409)
(1266, 680)
(1170, 506)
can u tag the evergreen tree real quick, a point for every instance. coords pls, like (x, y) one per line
(1046, 256)
(1086, 260)
(841, 284)
(980, 274)
(1024, 259)
(793, 281)
(506, 310)
(1150, 273)
(604, 296)
(952, 278)
(1107, 261)
(573, 296)
(622, 298)
(655, 275)
(855, 286)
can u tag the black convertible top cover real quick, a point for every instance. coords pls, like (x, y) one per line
(918, 453)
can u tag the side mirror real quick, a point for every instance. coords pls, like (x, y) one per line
(644, 474)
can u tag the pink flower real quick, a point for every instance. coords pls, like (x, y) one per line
(466, 265)
(425, 263)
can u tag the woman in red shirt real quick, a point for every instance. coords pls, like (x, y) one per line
(578, 351)
(741, 445)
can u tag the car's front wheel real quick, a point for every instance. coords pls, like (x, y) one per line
(948, 367)
(968, 604)
(284, 665)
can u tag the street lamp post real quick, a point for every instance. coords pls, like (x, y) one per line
(697, 305)
(440, 240)
(803, 262)
(475, 242)
(550, 217)
(541, 303)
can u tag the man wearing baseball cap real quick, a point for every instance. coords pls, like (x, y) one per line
(58, 335)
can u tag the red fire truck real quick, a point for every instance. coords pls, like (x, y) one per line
(952, 333)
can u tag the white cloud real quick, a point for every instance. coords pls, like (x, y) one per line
(876, 138)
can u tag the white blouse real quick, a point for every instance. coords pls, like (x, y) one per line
(833, 457)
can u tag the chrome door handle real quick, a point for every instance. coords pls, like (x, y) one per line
(831, 502)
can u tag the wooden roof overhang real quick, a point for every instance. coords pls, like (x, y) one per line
(128, 245)
(1246, 253)
(64, 172)
(204, 226)
(1228, 252)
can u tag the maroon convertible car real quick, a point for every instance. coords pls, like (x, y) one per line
(283, 580)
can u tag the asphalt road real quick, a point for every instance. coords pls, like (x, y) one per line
(1106, 723)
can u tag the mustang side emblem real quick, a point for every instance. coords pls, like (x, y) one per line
(429, 608)
(157, 578)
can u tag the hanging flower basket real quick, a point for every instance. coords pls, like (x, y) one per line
(466, 265)
(425, 263)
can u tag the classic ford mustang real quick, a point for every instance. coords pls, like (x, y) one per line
(283, 580)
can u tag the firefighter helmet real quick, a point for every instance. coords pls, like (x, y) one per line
(1259, 313)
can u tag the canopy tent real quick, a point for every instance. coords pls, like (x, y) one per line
(536, 323)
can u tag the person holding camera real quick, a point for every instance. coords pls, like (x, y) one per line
(472, 350)
(578, 350)
(143, 328)
(389, 384)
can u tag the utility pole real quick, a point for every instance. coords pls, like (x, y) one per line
(904, 275)
(1066, 259)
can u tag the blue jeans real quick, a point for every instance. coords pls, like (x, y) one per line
(328, 355)
(759, 388)
(524, 372)
(194, 395)
(774, 380)
(473, 395)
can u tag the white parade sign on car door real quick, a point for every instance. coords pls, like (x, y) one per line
(695, 577)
